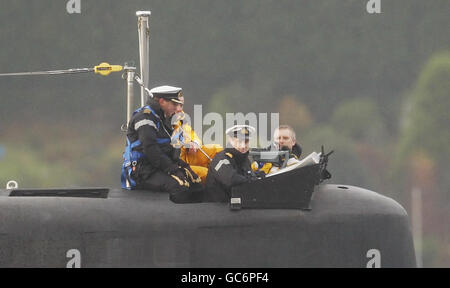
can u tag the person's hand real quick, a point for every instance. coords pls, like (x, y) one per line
(179, 176)
(172, 169)
(192, 148)
(260, 174)
(191, 175)
(182, 164)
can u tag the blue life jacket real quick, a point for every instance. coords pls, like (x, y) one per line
(132, 157)
(177, 138)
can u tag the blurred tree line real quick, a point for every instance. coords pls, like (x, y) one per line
(372, 87)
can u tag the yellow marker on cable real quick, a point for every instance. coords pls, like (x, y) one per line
(105, 69)
(102, 69)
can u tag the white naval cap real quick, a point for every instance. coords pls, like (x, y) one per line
(168, 92)
(240, 131)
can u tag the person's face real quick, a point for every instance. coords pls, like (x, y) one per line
(169, 107)
(180, 106)
(283, 137)
(242, 145)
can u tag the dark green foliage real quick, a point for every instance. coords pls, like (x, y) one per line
(344, 70)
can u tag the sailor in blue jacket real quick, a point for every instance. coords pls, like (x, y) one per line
(150, 161)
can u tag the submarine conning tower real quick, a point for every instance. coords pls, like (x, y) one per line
(329, 226)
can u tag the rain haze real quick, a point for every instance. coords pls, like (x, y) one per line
(373, 87)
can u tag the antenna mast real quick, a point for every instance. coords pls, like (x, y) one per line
(144, 36)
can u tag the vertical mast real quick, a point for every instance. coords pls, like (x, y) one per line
(144, 36)
(130, 70)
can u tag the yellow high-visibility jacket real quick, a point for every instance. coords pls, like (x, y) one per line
(266, 168)
(198, 161)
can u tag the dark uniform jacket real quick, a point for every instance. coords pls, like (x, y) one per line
(228, 168)
(296, 151)
(157, 156)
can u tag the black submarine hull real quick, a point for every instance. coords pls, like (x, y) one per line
(145, 229)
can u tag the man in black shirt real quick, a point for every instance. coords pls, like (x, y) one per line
(150, 161)
(231, 166)
(285, 139)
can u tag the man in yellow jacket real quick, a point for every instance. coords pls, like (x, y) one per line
(192, 151)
